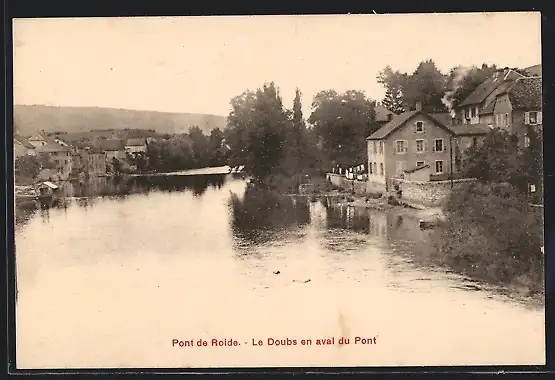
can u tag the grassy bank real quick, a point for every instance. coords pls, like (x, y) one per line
(491, 233)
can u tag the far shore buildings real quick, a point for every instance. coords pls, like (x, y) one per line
(23, 147)
(135, 146)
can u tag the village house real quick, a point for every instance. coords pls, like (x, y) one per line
(60, 155)
(519, 107)
(135, 146)
(477, 108)
(95, 162)
(22, 147)
(420, 145)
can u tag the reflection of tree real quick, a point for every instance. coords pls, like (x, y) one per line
(24, 213)
(262, 215)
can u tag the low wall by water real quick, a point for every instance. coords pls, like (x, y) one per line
(429, 193)
(360, 187)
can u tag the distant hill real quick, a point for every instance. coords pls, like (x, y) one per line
(33, 118)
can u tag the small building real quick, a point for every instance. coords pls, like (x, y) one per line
(135, 146)
(22, 147)
(383, 115)
(95, 162)
(415, 139)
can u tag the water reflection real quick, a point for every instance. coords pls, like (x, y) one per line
(262, 216)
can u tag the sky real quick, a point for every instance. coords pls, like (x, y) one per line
(197, 64)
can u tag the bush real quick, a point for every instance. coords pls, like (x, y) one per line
(492, 233)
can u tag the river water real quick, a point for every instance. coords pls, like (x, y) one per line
(117, 272)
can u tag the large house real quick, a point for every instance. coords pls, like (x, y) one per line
(477, 108)
(22, 147)
(416, 141)
(520, 106)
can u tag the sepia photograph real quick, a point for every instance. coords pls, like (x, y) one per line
(278, 191)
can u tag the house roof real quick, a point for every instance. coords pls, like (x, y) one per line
(36, 137)
(443, 120)
(416, 168)
(381, 113)
(396, 122)
(534, 70)
(23, 141)
(110, 145)
(52, 147)
(489, 85)
(135, 142)
(526, 93)
(490, 100)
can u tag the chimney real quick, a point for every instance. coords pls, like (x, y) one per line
(418, 106)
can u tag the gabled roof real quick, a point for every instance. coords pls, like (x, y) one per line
(489, 85)
(110, 145)
(52, 147)
(526, 93)
(37, 137)
(23, 141)
(442, 120)
(490, 100)
(135, 142)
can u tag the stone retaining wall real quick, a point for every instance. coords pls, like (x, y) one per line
(429, 193)
(360, 187)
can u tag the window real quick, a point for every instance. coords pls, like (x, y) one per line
(375, 168)
(439, 167)
(505, 120)
(467, 113)
(381, 147)
(401, 146)
(370, 168)
(438, 145)
(473, 112)
(375, 147)
(419, 126)
(474, 141)
(419, 146)
(526, 141)
(381, 169)
(420, 163)
(533, 117)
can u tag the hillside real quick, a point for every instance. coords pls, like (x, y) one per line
(32, 118)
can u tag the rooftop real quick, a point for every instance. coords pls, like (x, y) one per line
(489, 85)
(535, 70)
(52, 147)
(23, 141)
(382, 113)
(135, 142)
(526, 93)
(110, 145)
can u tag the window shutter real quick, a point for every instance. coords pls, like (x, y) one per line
(526, 117)
(539, 117)
(443, 146)
(433, 145)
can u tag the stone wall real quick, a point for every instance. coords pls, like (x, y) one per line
(429, 193)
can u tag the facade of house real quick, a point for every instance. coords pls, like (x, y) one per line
(520, 107)
(478, 107)
(96, 163)
(60, 155)
(135, 146)
(22, 147)
(415, 139)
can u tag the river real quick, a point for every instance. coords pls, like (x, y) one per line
(121, 269)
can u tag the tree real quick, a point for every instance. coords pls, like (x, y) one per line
(258, 126)
(393, 82)
(27, 166)
(343, 121)
(462, 80)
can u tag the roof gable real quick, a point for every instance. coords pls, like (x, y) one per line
(490, 85)
(21, 140)
(400, 120)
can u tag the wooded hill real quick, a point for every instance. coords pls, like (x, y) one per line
(32, 118)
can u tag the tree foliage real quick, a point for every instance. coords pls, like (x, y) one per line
(462, 80)
(343, 121)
